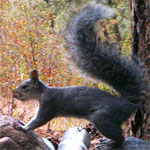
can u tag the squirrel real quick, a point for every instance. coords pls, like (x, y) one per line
(100, 60)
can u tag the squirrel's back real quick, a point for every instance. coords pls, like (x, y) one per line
(103, 60)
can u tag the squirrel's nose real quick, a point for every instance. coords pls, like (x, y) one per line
(16, 94)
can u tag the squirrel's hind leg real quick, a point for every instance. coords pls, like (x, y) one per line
(111, 131)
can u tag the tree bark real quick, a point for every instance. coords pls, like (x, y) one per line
(140, 26)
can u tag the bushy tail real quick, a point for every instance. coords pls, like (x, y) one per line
(100, 60)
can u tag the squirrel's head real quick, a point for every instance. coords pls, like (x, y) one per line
(28, 89)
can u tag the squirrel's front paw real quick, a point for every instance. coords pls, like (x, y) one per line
(22, 128)
(19, 127)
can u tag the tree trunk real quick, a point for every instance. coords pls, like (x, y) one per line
(140, 26)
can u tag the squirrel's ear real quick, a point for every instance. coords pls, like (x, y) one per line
(34, 75)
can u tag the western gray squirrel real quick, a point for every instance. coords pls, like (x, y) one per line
(100, 60)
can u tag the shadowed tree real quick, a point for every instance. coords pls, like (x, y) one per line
(140, 26)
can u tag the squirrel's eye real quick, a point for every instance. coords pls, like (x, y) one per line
(24, 86)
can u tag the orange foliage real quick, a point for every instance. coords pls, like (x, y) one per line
(27, 41)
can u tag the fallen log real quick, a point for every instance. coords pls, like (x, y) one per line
(15, 139)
